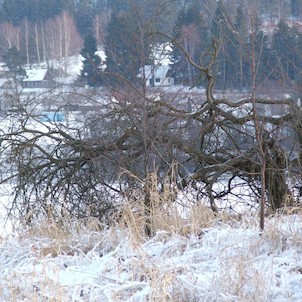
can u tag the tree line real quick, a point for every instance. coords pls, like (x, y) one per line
(277, 44)
(26, 24)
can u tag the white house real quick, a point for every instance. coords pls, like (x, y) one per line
(159, 75)
(37, 78)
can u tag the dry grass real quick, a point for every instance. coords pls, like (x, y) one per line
(164, 213)
(241, 274)
(242, 281)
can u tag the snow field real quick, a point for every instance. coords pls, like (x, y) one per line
(227, 261)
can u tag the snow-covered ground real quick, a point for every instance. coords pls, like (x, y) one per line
(229, 260)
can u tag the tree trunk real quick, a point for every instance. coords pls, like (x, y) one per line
(43, 42)
(276, 185)
(26, 41)
(37, 43)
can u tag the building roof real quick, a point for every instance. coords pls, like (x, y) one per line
(34, 75)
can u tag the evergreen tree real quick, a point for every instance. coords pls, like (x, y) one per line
(14, 61)
(222, 31)
(239, 50)
(84, 13)
(42, 10)
(258, 43)
(15, 11)
(220, 21)
(91, 71)
(191, 33)
(284, 47)
(127, 47)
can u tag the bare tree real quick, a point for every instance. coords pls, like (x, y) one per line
(192, 42)
(9, 36)
(100, 24)
(63, 38)
(26, 35)
(37, 42)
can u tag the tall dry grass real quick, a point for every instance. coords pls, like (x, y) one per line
(164, 211)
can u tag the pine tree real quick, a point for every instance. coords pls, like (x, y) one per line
(222, 31)
(238, 51)
(191, 34)
(84, 14)
(220, 22)
(262, 54)
(284, 48)
(127, 48)
(91, 71)
(15, 11)
(14, 61)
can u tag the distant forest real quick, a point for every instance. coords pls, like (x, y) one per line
(42, 30)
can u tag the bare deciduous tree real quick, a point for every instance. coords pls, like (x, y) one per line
(100, 23)
(9, 36)
(63, 38)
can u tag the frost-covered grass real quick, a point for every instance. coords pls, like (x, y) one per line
(192, 255)
(225, 259)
